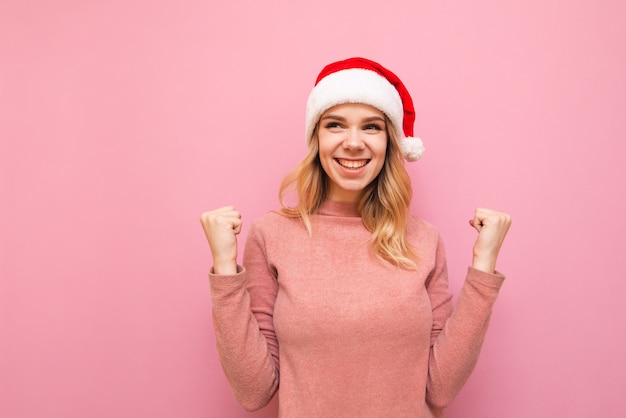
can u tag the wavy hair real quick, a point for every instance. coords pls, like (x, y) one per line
(383, 206)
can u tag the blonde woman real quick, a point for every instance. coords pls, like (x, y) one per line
(342, 302)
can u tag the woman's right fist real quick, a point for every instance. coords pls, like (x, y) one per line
(221, 227)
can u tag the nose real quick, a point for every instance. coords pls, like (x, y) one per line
(353, 140)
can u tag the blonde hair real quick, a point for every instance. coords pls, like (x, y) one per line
(383, 207)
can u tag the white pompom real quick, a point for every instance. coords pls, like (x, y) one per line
(412, 148)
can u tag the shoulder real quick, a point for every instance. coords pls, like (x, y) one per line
(275, 233)
(274, 223)
(417, 225)
(274, 218)
(422, 234)
(426, 240)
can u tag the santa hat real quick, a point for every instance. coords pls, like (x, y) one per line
(359, 80)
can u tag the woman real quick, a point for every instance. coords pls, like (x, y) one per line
(343, 300)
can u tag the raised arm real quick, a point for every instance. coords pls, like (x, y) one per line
(243, 303)
(458, 335)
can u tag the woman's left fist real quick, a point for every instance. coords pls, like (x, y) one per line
(492, 227)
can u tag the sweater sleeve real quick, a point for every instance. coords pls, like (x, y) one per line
(457, 335)
(243, 306)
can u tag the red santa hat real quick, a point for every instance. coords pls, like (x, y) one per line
(359, 80)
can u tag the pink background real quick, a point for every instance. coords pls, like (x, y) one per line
(121, 121)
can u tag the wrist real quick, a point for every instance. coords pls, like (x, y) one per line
(486, 264)
(228, 267)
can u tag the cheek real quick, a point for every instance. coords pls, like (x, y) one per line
(325, 149)
(379, 168)
(381, 152)
(322, 148)
(324, 163)
(381, 149)
(323, 155)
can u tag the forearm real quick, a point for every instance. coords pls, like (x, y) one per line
(456, 350)
(243, 349)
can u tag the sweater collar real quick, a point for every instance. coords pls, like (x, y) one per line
(342, 209)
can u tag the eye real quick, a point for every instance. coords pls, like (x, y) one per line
(373, 126)
(332, 125)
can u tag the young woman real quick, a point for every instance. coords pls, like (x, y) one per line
(342, 301)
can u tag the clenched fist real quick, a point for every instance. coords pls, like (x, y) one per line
(492, 227)
(221, 227)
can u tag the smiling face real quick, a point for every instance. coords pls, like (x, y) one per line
(352, 146)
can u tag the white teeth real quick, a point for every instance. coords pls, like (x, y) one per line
(352, 164)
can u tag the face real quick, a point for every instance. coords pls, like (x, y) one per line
(352, 146)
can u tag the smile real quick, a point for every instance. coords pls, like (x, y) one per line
(352, 164)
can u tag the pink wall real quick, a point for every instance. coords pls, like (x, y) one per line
(121, 121)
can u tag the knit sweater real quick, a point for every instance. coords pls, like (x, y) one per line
(340, 332)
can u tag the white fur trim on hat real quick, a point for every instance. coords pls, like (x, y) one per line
(355, 85)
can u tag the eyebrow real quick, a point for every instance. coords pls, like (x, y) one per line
(341, 118)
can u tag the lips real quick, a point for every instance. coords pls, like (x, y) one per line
(352, 164)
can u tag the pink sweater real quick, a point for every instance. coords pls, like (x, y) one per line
(357, 338)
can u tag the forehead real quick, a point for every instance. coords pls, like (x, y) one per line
(353, 110)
